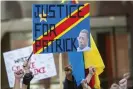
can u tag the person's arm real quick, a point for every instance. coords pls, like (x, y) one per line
(28, 75)
(86, 81)
(84, 85)
(26, 80)
(18, 76)
(91, 73)
(24, 86)
(17, 84)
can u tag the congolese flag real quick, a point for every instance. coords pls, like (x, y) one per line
(81, 61)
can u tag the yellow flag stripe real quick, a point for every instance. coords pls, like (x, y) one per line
(93, 57)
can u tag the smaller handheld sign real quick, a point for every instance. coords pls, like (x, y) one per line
(41, 65)
(60, 27)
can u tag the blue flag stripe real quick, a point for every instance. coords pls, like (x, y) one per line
(77, 62)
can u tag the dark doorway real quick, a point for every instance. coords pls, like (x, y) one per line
(104, 46)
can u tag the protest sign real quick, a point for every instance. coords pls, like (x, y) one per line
(60, 27)
(42, 65)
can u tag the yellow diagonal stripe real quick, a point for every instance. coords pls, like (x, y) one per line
(69, 28)
(60, 22)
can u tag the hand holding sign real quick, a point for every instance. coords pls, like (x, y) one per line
(27, 78)
(92, 70)
(19, 74)
(28, 74)
(26, 65)
(91, 73)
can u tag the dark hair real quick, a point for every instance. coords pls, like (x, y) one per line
(85, 31)
(67, 68)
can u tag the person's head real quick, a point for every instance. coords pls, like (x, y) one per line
(68, 70)
(83, 38)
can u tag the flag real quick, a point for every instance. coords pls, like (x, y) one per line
(93, 58)
(81, 61)
(89, 58)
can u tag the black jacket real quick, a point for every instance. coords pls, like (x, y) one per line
(71, 84)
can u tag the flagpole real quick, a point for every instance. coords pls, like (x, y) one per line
(60, 70)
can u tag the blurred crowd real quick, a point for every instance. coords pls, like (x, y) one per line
(69, 82)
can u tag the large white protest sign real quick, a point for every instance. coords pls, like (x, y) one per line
(42, 65)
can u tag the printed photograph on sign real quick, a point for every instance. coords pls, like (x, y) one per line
(41, 65)
(60, 28)
(83, 40)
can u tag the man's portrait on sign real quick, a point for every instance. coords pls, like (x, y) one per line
(83, 40)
